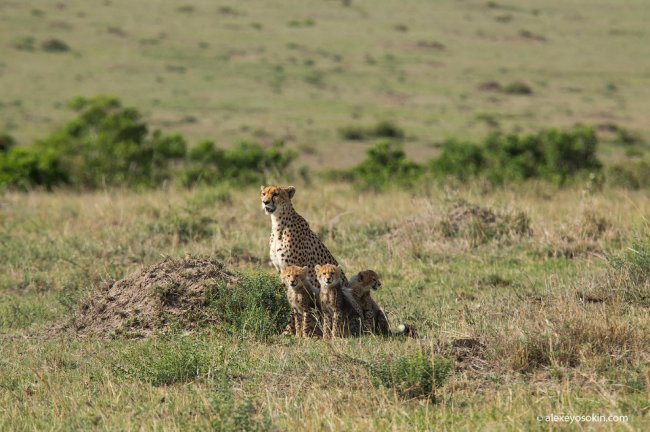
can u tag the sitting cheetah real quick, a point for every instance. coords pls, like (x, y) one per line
(292, 242)
(374, 319)
(301, 297)
(330, 278)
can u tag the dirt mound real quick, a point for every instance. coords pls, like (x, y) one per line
(173, 292)
(462, 223)
(481, 223)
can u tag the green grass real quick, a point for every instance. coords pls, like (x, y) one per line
(554, 334)
(510, 327)
(304, 82)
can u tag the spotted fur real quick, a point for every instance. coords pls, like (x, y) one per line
(300, 295)
(330, 278)
(292, 241)
(374, 319)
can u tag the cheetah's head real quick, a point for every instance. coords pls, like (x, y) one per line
(367, 280)
(292, 275)
(276, 197)
(328, 274)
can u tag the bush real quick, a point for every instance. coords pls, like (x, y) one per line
(6, 142)
(385, 165)
(411, 376)
(22, 168)
(383, 129)
(54, 46)
(256, 305)
(517, 88)
(549, 154)
(461, 160)
(109, 145)
(245, 163)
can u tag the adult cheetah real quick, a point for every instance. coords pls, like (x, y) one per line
(292, 242)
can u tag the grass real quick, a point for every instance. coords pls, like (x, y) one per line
(508, 331)
(432, 94)
(535, 305)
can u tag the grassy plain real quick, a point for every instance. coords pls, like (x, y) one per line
(559, 335)
(298, 71)
(561, 326)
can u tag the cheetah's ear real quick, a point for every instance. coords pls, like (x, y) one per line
(317, 267)
(261, 188)
(291, 191)
(305, 268)
(360, 277)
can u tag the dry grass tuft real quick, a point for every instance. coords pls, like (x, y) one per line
(586, 235)
(463, 224)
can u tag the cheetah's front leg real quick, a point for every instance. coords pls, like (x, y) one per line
(297, 323)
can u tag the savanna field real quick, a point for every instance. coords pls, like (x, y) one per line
(488, 159)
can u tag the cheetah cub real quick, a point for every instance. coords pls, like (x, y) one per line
(302, 298)
(374, 319)
(330, 278)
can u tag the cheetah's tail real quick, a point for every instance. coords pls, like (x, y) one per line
(406, 330)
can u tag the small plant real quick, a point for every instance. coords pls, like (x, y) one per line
(54, 46)
(6, 142)
(245, 163)
(25, 43)
(385, 165)
(411, 376)
(256, 305)
(517, 88)
(627, 138)
(383, 129)
(461, 160)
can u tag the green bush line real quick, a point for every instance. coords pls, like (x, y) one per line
(110, 145)
(553, 155)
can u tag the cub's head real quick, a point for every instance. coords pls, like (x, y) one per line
(367, 279)
(328, 274)
(292, 275)
(276, 198)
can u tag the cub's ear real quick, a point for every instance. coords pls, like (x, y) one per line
(305, 268)
(291, 191)
(262, 188)
(317, 267)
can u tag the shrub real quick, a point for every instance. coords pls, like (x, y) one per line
(6, 142)
(627, 138)
(54, 46)
(385, 165)
(256, 305)
(23, 168)
(245, 163)
(461, 160)
(411, 376)
(518, 88)
(25, 43)
(109, 145)
(549, 154)
(383, 129)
